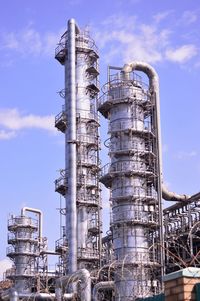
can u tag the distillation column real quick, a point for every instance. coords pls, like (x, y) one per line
(79, 122)
(24, 249)
(132, 177)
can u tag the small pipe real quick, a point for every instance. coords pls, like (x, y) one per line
(48, 252)
(37, 211)
(104, 285)
(12, 295)
(85, 282)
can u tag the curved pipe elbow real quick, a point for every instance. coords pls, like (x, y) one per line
(172, 196)
(104, 285)
(37, 211)
(146, 68)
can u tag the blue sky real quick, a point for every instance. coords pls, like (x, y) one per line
(163, 33)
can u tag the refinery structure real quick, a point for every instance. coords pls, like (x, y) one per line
(144, 241)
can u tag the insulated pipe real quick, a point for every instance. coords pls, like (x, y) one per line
(154, 86)
(104, 285)
(71, 217)
(172, 196)
(37, 211)
(12, 295)
(85, 282)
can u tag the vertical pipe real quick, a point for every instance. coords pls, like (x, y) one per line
(70, 84)
(37, 211)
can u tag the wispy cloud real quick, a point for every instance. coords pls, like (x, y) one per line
(183, 155)
(159, 17)
(12, 121)
(29, 41)
(4, 265)
(189, 17)
(182, 54)
(125, 38)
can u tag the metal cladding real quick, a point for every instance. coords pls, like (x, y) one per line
(128, 263)
(24, 249)
(79, 121)
(132, 176)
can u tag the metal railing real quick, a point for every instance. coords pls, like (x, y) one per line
(126, 166)
(22, 221)
(135, 215)
(32, 250)
(135, 125)
(139, 192)
(33, 237)
(60, 117)
(121, 92)
(10, 273)
(83, 42)
(84, 253)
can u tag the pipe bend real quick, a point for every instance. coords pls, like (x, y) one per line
(104, 285)
(172, 196)
(37, 211)
(146, 68)
(83, 275)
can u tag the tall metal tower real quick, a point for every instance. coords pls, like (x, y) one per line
(79, 122)
(133, 176)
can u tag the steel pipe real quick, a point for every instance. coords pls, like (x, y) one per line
(39, 213)
(154, 86)
(85, 282)
(70, 134)
(13, 295)
(104, 285)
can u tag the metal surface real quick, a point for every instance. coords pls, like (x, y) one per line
(102, 286)
(133, 177)
(70, 140)
(182, 234)
(24, 250)
(127, 264)
(79, 182)
(84, 287)
(40, 215)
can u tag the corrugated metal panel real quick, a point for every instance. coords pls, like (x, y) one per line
(197, 291)
(160, 297)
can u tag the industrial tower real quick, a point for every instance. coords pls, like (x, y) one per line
(79, 121)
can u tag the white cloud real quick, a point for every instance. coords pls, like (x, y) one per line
(182, 155)
(181, 54)
(4, 265)
(12, 121)
(162, 16)
(189, 17)
(29, 41)
(125, 38)
(7, 135)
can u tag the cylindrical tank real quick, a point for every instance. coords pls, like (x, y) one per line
(132, 179)
(86, 144)
(23, 251)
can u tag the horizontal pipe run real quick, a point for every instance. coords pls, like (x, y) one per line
(12, 295)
